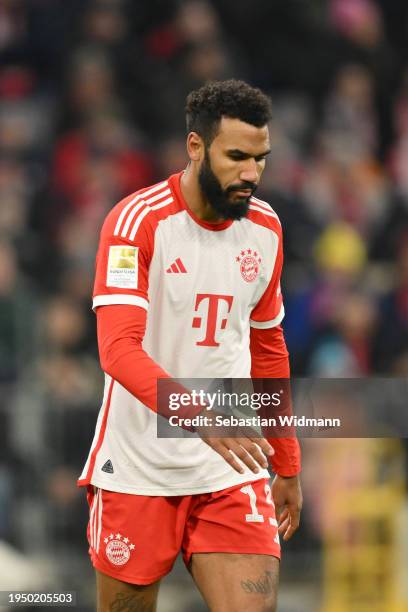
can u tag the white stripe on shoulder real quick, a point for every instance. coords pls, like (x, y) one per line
(261, 203)
(123, 213)
(268, 213)
(138, 221)
(264, 205)
(144, 212)
(165, 202)
(142, 203)
(130, 217)
(134, 200)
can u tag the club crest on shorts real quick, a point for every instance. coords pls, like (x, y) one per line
(118, 548)
(249, 263)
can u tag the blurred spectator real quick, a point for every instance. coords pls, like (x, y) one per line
(312, 311)
(91, 86)
(65, 329)
(343, 348)
(65, 381)
(26, 117)
(14, 200)
(392, 339)
(100, 162)
(199, 52)
(399, 152)
(105, 22)
(13, 23)
(197, 21)
(338, 187)
(349, 111)
(14, 470)
(18, 314)
(360, 20)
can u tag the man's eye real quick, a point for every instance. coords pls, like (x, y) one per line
(260, 159)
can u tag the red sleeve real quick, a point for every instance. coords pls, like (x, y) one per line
(270, 359)
(121, 329)
(120, 333)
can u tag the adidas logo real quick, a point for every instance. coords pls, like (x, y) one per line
(107, 467)
(177, 267)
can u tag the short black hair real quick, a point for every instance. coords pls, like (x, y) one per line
(233, 99)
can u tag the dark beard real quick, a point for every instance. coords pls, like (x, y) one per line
(218, 198)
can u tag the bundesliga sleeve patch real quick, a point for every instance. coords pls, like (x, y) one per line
(122, 267)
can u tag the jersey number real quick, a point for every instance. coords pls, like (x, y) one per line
(254, 516)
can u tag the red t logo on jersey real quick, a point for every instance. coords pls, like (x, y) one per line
(212, 316)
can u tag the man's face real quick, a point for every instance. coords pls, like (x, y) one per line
(232, 167)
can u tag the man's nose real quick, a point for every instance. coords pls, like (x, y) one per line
(249, 172)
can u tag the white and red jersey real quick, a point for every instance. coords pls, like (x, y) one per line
(203, 285)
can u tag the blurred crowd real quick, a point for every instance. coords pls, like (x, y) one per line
(92, 97)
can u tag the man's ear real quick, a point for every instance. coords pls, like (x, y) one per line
(195, 147)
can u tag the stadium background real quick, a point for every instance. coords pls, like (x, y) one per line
(91, 108)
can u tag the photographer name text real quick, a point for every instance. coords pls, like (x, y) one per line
(254, 421)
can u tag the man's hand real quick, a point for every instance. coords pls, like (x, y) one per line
(287, 497)
(241, 442)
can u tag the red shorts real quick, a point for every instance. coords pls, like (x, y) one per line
(136, 538)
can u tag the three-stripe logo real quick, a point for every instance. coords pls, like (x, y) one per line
(141, 205)
(263, 207)
(177, 267)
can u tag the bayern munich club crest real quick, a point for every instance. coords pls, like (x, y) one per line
(118, 548)
(249, 263)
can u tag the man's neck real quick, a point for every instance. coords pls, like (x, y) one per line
(200, 207)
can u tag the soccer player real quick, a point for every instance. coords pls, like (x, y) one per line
(188, 285)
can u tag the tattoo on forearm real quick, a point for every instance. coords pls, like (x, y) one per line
(131, 602)
(264, 585)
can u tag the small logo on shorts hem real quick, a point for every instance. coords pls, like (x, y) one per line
(118, 549)
(107, 467)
